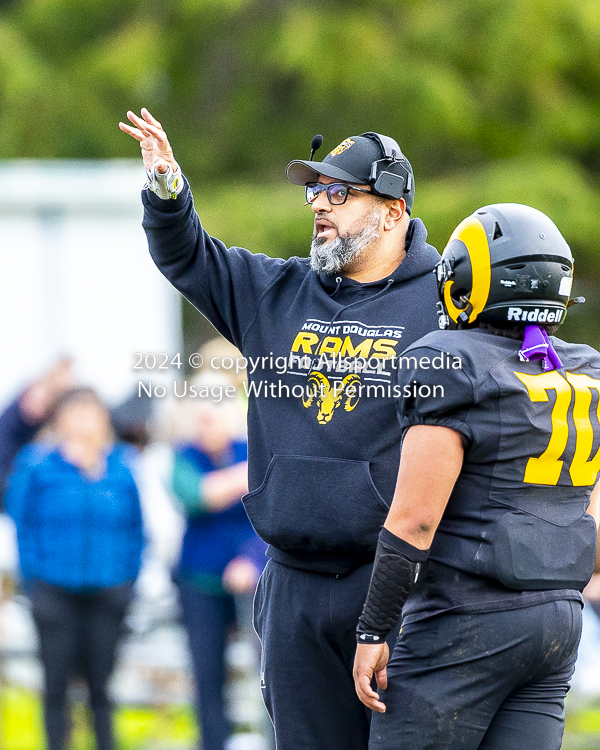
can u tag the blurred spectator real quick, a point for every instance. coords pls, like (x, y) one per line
(131, 419)
(24, 416)
(79, 529)
(222, 357)
(221, 554)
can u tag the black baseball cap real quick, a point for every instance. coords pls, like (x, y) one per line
(352, 161)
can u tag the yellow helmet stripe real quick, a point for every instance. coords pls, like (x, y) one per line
(472, 234)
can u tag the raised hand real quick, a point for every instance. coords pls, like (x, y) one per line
(156, 150)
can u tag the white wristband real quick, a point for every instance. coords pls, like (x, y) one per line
(166, 185)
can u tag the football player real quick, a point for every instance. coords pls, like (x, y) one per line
(491, 535)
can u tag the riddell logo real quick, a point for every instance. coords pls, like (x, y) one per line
(534, 316)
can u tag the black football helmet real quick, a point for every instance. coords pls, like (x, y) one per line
(506, 262)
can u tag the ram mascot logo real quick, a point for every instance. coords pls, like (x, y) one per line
(329, 395)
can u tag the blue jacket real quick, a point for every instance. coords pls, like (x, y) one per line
(211, 539)
(322, 470)
(73, 531)
(15, 432)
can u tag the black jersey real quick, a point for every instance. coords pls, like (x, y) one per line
(515, 529)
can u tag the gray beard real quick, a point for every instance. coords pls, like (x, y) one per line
(338, 254)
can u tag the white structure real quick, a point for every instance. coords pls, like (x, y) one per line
(76, 280)
(76, 277)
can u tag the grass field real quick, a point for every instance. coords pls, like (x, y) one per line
(582, 731)
(174, 727)
(136, 727)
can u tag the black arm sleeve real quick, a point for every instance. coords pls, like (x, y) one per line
(396, 568)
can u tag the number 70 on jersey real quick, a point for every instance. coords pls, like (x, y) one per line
(547, 468)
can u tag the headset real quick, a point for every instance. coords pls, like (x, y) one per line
(382, 181)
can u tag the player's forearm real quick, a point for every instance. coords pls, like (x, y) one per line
(396, 568)
(430, 463)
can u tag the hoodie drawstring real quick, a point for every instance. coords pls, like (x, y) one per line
(337, 287)
(364, 299)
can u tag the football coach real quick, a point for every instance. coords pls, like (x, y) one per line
(323, 436)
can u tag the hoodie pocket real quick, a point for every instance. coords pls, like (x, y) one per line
(311, 503)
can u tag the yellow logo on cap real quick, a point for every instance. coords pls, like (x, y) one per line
(342, 147)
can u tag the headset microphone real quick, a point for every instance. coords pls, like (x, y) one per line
(315, 144)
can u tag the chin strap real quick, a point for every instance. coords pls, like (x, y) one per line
(537, 345)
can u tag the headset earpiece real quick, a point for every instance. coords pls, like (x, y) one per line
(388, 183)
(384, 182)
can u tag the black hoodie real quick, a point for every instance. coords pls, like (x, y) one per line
(324, 440)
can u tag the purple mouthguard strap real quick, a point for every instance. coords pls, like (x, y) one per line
(537, 345)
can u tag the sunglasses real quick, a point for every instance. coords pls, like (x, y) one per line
(337, 192)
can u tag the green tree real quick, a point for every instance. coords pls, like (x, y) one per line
(491, 101)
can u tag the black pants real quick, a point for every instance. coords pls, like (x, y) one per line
(207, 619)
(307, 622)
(78, 635)
(492, 681)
